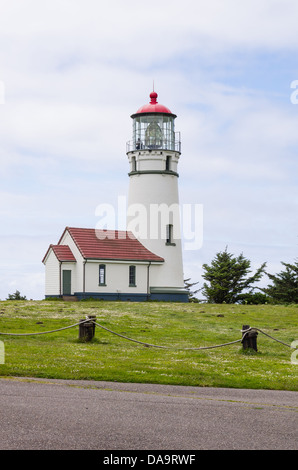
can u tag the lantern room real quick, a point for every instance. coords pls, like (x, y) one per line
(154, 128)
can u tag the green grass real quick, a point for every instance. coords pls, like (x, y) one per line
(111, 358)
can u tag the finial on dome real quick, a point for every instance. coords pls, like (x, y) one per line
(153, 96)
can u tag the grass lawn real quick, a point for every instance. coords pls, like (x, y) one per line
(111, 358)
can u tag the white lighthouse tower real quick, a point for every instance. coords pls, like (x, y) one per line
(153, 214)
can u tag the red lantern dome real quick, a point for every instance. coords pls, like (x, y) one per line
(153, 106)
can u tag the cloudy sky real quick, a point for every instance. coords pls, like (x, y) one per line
(73, 71)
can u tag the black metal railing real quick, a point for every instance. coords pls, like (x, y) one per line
(158, 144)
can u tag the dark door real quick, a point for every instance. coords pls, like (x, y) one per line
(66, 289)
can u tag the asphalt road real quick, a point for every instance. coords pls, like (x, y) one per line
(38, 414)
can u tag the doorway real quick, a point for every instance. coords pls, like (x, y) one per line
(66, 282)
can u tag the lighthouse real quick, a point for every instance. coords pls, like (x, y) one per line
(143, 262)
(153, 214)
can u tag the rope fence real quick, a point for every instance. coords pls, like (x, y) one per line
(245, 332)
(165, 347)
(41, 332)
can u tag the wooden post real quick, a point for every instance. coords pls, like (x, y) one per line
(249, 339)
(92, 320)
(245, 336)
(86, 329)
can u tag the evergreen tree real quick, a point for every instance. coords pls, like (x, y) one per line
(16, 296)
(228, 278)
(285, 284)
(191, 293)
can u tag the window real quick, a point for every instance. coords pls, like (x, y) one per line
(168, 163)
(102, 274)
(169, 239)
(154, 131)
(132, 276)
(133, 164)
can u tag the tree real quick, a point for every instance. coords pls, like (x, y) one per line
(16, 296)
(255, 298)
(285, 284)
(191, 294)
(227, 277)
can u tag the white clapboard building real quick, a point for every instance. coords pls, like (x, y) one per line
(145, 261)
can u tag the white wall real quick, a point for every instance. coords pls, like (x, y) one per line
(154, 160)
(117, 277)
(147, 191)
(52, 268)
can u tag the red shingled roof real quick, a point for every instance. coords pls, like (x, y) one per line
(110, 244)
(62, 252)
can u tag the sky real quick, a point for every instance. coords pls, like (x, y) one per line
(73, 72)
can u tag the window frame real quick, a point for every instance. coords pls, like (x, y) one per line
(132, 276)
(169, 235)
(168, 163)
(133, 164)
(102, 267)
